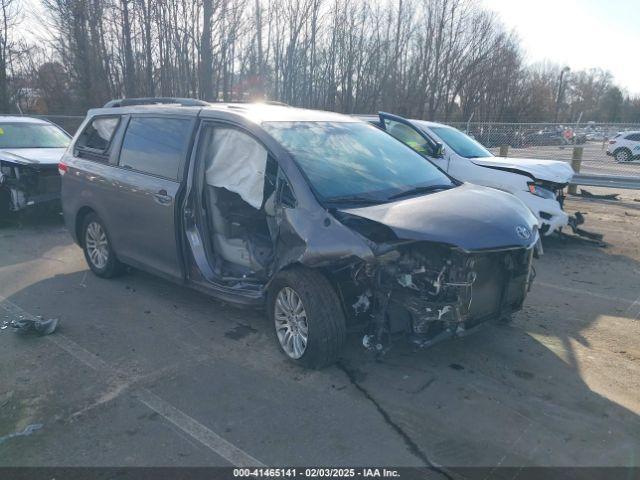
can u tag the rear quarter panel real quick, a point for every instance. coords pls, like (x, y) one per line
(86, 184)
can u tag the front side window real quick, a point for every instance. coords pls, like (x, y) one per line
(32, 135)
(355, 162)
(407, 135)
(155, 145)
(98, 134)
(460, 143)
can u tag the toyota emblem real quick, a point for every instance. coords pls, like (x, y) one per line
(523, 232)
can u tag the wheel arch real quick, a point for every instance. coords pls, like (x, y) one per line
(80, 216)
(338, 283)
(619, 149)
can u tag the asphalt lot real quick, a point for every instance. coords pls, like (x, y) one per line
(594, 159)
(142, 372)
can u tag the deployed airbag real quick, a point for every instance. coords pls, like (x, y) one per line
(238, 164)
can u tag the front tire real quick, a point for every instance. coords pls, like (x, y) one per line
(623, 155)
(97, 248)
(307, 315)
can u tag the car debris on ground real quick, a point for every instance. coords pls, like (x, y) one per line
(609, 196)
(574, 222)
(37, 325)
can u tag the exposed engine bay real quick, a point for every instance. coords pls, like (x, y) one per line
(25, 185)
(430, 292)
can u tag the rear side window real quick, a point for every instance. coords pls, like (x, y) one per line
(155, 145)
(634, 137)
(97, 136)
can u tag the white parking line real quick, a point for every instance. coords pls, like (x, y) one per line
(198, 431)
(634, 310)
(184, 422)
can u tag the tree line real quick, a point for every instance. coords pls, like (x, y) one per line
(450, 60)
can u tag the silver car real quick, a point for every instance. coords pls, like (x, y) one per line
(324, 220)
(30, 150)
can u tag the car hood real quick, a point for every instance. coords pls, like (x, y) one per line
(32, 156)
(470, 217)
(547, 170)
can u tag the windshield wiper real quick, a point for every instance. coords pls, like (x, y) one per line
(418, 190)
(352, 200)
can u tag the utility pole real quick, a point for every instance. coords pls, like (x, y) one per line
(559, 95)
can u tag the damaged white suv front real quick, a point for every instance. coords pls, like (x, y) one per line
(30, 150)
(538, 183)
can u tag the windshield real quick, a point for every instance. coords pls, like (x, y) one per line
(355, 161)
(462, 144)
(32, 135)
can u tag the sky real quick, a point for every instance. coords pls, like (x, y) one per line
(578, 33)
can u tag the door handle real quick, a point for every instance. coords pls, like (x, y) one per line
(162, 197)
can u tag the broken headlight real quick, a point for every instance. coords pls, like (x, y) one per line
(541, 191)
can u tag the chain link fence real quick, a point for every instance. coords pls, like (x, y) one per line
(555, 141)
(551, 141)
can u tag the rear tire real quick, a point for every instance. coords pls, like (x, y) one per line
(319, 316)
(97, 248)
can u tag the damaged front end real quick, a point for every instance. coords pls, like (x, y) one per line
(430, 292)
(24, 185)
(554, 219)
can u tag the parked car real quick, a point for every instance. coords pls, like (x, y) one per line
(321, 218)
(496, 136)
(579, 137)
(30, 150)
(625, 146)
(537, 183)
(544, 138)
(599, 135)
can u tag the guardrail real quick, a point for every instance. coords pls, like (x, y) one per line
(611, 181)
(610, 176)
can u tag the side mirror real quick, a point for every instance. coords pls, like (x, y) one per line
(438, 150)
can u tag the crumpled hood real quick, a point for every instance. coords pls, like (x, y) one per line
(548, 170)
(31, 156)
(471, 217)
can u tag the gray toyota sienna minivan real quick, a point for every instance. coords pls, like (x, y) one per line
(324, 220)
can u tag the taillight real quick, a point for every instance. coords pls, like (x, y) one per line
(611, 142)
(62, 168)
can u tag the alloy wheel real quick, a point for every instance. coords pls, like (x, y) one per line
(97, 245)
(622, 156)
(292, 327)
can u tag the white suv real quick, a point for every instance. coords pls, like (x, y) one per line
(625, 146)
(538, 183)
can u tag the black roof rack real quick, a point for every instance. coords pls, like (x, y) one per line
(183, 102)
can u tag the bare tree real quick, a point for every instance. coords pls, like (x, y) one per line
(439, 59)
(9, 19)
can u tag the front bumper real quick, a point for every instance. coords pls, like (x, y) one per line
(548, 211)
(431, 293)
(30, 186)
